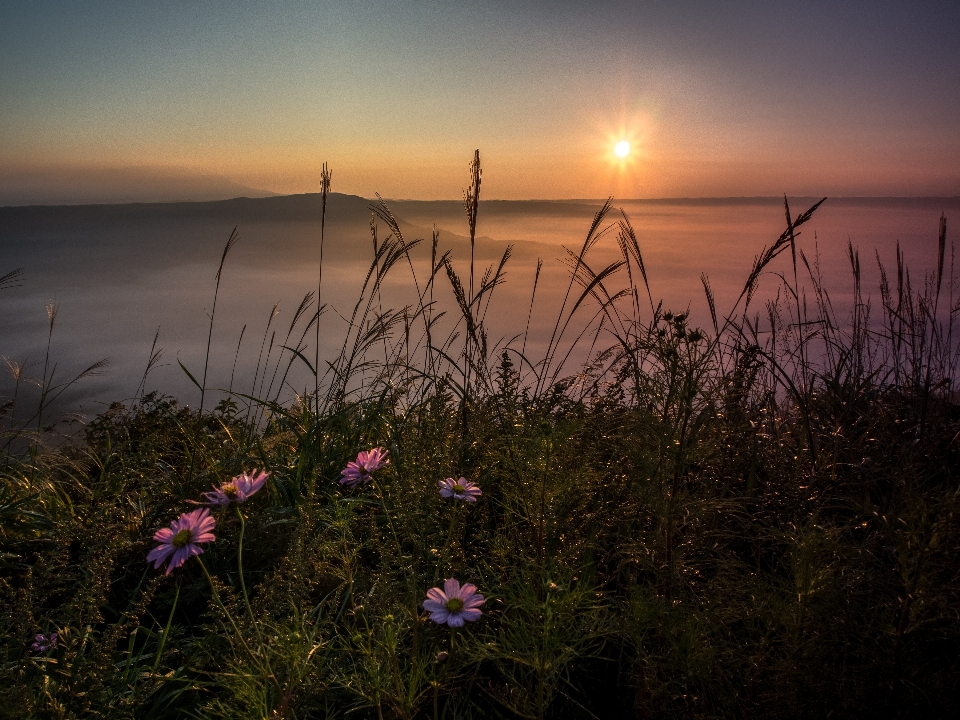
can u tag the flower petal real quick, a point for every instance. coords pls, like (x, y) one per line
(437, 595)
(159, 555)
(432, 606)
(205, 526)
(466, 591)
(216, 497)
(178, 558)
(474, 601)
(440, 616)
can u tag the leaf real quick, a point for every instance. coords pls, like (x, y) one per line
(299, 355)
(189, 375)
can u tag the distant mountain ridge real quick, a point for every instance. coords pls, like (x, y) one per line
(164, 234)
(232, 197)
(114, 185)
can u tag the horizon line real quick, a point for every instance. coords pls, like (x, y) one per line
(591, 201)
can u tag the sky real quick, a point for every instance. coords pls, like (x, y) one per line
(120, 101)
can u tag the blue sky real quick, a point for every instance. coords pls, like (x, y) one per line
(722, 98)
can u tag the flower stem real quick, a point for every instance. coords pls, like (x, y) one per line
(408, 570)
(446, 546)
(243, 585)
(216, 597)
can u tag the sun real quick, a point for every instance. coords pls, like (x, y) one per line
(623, 150)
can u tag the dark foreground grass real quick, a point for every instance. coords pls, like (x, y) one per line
(756, 520)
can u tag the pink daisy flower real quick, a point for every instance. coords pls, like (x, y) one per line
(453, 604)
(367, 463)
(237, 490)
(42, 643)
(461, 489)
(179, 541)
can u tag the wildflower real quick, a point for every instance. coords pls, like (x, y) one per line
(453, 604)
(180, 540)
(237, 490)
(461, 489)
(367, 463)
(41, 643)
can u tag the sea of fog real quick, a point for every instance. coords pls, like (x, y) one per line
(121, 274)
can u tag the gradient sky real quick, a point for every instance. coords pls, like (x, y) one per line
(717, 99)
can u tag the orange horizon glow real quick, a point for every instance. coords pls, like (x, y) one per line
(219, 97)
(507, 176)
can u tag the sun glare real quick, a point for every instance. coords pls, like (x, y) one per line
(623, 151)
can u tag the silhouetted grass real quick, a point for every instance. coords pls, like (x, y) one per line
(759, 519)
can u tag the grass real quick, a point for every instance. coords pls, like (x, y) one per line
(756, 519)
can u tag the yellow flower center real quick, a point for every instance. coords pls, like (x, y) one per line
(458, 488)
(182, 538)
(454, 605)
(230, 490)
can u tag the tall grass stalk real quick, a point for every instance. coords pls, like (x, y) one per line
(52, 310)
(231, 241)
(326, 175)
